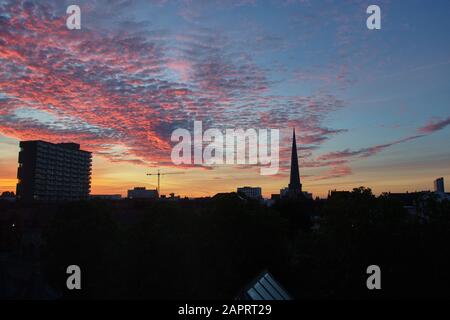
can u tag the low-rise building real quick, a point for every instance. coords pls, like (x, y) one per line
(143, 193)
(250, 192)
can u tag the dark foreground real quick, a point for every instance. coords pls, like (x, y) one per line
(212, 248)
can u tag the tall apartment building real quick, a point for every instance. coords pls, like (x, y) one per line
(439, 185)
(53, 172)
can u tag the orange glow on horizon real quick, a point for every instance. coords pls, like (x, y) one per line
(117, 177)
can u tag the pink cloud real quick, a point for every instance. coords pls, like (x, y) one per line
(434, 125)
(335, 172)
(182, 67)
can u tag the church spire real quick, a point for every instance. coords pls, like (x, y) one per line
(294, 183)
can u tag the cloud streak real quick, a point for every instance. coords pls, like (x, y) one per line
(434, 125)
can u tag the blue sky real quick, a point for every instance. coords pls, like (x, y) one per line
(371, 106)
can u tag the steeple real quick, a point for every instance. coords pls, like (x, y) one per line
(294, 183)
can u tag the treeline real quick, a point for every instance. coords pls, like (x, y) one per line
(169, 251)
(212, 249)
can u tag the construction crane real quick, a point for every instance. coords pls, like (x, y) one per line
(159, 174)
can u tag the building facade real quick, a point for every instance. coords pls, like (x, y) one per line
(105, 197)
(251, 192)
(53, 172)
(439, 185)
(142, 193)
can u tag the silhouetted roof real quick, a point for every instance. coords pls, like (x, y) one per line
(227, 196)
(264, 287)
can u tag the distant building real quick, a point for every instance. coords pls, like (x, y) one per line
(274, 196)
(250, 192)
(53, 172)
(333, 194)
(412, 202)
(439, 190)
(106, 196)
(287, 193)
(8, 196)
(142, 193)
(439, 186)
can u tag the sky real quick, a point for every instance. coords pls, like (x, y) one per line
(370, 107)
